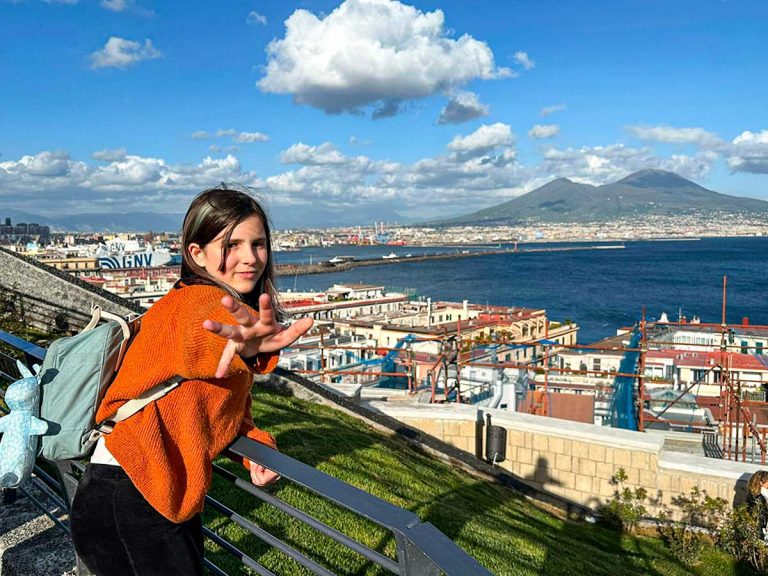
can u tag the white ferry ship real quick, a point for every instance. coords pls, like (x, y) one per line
(121, 253)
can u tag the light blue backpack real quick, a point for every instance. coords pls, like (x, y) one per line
(76, 372)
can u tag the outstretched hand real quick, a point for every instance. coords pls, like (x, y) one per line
(252, 335)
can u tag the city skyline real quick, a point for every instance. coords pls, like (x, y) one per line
(372, 108)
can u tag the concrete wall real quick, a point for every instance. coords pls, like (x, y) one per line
(48, 299)
(577, 461)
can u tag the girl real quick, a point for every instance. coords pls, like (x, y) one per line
(137, 507)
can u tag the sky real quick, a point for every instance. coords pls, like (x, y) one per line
(349, 112)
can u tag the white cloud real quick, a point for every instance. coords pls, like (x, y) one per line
(748, 138)
(121, 53)
(749, 152)
(462, 107)
(602, 164)
(256, 18)
(52, 181)
(109, 155)
(670, 135)
(46, 164)
(227, 149)
(524, 60)
(248, 137)
(67, 2)
(300, 153)
(239, 137)
(125, 6)
(114, 5)
(547, 110)
(484, 139)
(693, 167)
(130, 171)
(544, 131)
(372, 51)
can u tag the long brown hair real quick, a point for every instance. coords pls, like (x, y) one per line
(221, 209)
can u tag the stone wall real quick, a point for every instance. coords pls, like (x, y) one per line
(48, 299)
(577, 461)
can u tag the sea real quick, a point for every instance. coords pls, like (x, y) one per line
(601, 290)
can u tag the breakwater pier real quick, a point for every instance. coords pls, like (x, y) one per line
(325, 267)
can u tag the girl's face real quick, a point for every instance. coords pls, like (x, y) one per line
(246, 258)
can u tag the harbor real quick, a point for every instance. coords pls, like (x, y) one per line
(350, 264)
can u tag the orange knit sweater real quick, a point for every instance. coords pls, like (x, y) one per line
(167, 448)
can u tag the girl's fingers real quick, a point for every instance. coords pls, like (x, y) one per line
(266, 313)
(239, 313)
(288, 336)
(226, 359)
(223, 330)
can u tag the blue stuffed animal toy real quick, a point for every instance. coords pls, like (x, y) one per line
(20, 429)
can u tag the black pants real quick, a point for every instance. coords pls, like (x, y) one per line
(116, 531)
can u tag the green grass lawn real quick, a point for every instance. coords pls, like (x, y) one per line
(502, 530)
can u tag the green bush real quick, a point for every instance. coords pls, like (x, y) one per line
(741, 535)
(626, 508)
(689, 537)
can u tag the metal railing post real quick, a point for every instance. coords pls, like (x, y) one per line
(413, 561)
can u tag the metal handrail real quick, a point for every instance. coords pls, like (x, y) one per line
(422, 550)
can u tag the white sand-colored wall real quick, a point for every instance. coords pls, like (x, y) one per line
(577, 461)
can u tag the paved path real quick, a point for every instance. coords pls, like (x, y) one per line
(30, 543)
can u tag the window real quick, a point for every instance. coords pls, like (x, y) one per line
(758, 347)
(596, 364)
(744, 347)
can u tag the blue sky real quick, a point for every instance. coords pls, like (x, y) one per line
(372, 109)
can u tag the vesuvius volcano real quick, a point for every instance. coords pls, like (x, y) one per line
(648, 192)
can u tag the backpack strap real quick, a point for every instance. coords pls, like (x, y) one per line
(134, 406)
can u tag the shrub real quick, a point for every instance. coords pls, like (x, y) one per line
(741, 534)
(688, 537)
(625, 509)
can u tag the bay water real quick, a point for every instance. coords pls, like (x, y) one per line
(600, 290)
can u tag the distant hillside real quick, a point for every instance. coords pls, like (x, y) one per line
(648, 192)
(108, 222)
(282, 218)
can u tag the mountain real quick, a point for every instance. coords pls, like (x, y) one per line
(644, 193)
(119, 222)
(282, 218)
(101, 222)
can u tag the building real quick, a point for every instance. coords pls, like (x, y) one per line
(23, 232)
(342, 301)
(438, 349)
